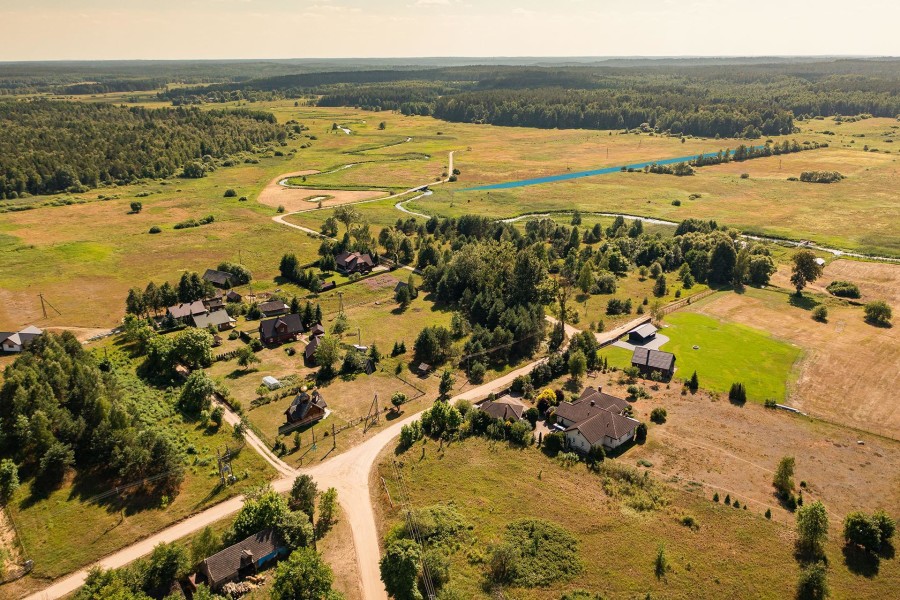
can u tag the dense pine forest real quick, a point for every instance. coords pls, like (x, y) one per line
(746, 100)
(50, 146)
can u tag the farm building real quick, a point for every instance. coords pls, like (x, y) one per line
(648, 361)
(306, 408)
(595, 419)
(503, 409)
(220, 279)
(317, 330)
(354, 262)
(16, 341)
(219, 319)
(216, 302)
(187, 310)
(642, 334)
(309, 353)
(242, 559)
(232, 296)
(273, 308)
(279, 330)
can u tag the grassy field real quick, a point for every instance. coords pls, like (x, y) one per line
(97, 250)
(730, 353)
(734, 553)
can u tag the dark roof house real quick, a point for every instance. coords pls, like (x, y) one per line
(502, 409)
(354, 262)
(306, 408)
(220, 279)
(310, 351)
(278, 330)
(187, 309)
(595, 419)
(317, 329)
(273, 308)
(653, 360)
(242, 559)
(232, 296)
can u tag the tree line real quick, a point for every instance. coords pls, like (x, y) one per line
(49, 147)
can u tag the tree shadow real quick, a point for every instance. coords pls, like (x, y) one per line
(238, 373)
(860, 562)
(879, 324)
(803, 302)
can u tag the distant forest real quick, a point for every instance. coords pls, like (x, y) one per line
(744, 100)
(53, 146)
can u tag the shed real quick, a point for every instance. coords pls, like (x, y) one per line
(653, 360)
(642, 334)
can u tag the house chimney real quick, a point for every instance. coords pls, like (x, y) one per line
(593, 403)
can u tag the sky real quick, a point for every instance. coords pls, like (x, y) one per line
(209, 29)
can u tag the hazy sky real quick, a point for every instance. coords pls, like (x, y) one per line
(171, 29)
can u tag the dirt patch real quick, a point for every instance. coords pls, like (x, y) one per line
(381, 282)
(733, 449)
(849, 372)
(876, 281)
(294, 199)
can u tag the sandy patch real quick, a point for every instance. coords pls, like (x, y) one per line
(876, 281)
(294, 199)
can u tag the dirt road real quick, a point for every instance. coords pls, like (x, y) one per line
(348, 473)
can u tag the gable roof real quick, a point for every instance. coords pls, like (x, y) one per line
(232, 296)
(221, 278)
(500, 409)
(311, 346)
(591, 403)
(646, 330)
(603, 424)
(216, 319)
(317, 329)
(188, 309)
(352, 259)
(227, 563)
(269, 327)
(654, 359)
(273, 306)
(303, 402)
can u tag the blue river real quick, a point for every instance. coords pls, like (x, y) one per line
(578, 175)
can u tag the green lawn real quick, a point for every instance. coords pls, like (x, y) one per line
(730, 353)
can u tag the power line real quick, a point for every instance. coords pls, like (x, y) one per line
(413, 528)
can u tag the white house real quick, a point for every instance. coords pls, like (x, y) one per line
(16, 341)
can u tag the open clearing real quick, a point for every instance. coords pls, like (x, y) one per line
(849, 371)
(734, 553)
(876, 281)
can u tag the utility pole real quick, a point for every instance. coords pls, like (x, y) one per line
(45, 304)
(341, 307)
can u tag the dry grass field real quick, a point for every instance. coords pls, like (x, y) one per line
(735, 553)
(849, 371)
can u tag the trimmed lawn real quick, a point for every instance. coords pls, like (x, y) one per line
(729, 353)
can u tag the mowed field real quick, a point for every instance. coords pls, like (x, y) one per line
(725, 353)
(848, 373)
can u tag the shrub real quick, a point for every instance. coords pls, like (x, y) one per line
(716, 497)
(812, 584)
(155, 229)
(878, 313)
(820, 176)
(280, 208)
(136, 207)
(737, 393)
(820, 313)
(641, 433)
(745, 175)
(690, 522)
(676, 202)
(541, 553)
(843, 289)
(658, 415)
(230, 193)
